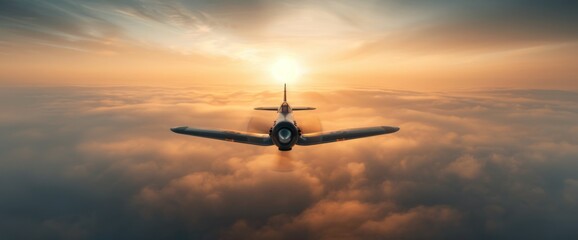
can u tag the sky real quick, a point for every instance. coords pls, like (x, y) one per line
(485, 95)
(409, 45)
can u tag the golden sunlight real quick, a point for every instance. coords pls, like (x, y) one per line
(286, 70)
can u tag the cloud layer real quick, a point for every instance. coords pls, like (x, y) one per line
(99, 163)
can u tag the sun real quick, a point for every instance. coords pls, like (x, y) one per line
(286, 70)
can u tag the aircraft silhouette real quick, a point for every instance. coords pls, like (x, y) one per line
(285, 132)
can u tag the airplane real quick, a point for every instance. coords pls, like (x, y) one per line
(285, 132)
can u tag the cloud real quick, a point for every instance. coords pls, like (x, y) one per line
(258, 30)
(465, 167)
(100, 162)
(453, 43)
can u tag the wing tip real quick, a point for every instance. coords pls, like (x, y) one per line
(180, 129)
(389, 129)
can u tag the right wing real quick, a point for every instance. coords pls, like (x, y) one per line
(342, 135)
(225, 135)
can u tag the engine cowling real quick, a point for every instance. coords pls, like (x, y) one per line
(284, 135)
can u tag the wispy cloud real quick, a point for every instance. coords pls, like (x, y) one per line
(251, 30)
(417, 44)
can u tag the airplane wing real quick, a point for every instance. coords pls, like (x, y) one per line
(302, 108)
(226, 135)
(267, 108)
(342, 135)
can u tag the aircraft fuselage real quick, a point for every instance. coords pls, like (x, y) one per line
(285, 132)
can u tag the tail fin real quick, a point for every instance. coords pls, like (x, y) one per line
(285, 92)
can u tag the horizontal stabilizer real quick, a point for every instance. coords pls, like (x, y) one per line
(302, 108)
(276, 108)
(267, 108)
(226, 135)
(342, 135)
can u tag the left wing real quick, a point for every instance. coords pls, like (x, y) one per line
(226, 135)
(342, 135)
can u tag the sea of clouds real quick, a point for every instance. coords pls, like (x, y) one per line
(101, 163)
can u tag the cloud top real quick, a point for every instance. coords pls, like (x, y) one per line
(100, 163)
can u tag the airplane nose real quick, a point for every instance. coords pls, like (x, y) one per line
(284, 135)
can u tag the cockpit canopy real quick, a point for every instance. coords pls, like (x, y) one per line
(285, 108)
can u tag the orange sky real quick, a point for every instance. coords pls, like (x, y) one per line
(411, 46)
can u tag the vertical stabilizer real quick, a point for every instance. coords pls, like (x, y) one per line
(285, 92)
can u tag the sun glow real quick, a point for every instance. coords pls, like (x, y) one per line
(286, 70)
